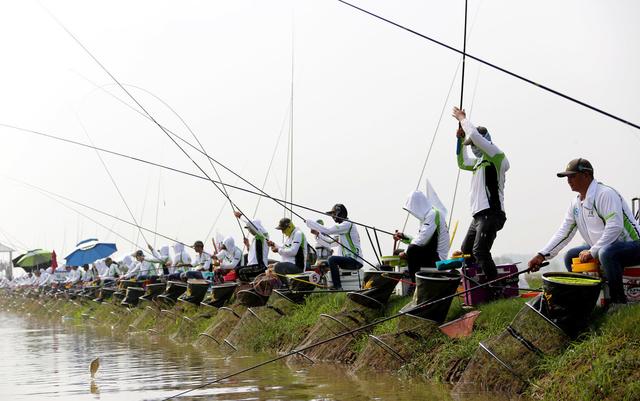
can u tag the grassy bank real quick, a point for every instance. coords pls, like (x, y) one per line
(603, 364)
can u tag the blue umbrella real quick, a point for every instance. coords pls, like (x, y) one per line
(88, 251)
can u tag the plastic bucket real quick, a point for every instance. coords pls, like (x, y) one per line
(220, 294)
(196, 291)
(570, 299)
(378, 287)
(430, 286)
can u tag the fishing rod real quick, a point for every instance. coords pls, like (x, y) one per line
(95, 210)
(92, 219)
(113, 181)
(416, 308)
(496, 67)
(444, 106)
(162, 128)
(176, 170)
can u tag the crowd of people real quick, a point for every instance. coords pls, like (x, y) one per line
(599, 213)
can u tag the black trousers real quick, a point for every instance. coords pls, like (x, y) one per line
(479, 239)
(420, 256)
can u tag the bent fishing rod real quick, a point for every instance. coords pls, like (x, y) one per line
(415, 309)
(171, 137)
(179, 171)
(212, 160)
(45, 191)
(162, 128)
(192, 175)
(495, 67)
(91, 219)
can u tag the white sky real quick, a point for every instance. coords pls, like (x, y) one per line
(367, 100)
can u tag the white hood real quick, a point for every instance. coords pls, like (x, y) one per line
(177, 248)
(128, 261)
(229, 244)
(256, 225)
(418, 205)
(435, 201)
(164, 251)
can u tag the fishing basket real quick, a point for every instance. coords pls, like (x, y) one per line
(432, 285)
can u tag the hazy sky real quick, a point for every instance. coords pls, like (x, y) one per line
(367, 100)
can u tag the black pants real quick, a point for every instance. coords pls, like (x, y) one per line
(248, 273)
(479, 240)
(420, 256)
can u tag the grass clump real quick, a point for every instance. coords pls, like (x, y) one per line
(603, 364)
(290, 330)
(447, 358)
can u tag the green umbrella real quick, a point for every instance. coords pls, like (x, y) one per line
(35, 259)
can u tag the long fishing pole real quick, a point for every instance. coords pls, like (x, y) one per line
(176, 170)
(444, 107)
(184, 122)
(139, 105)
(94, 209)
(113, 181)
(172, 135)
(464, 57)
(346, 333)
(494, 66)
(43, 193)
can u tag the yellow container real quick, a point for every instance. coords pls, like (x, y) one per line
(393, 260)
(590, 267)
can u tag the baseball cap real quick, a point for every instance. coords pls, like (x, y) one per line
(283, 223)
(576, 166)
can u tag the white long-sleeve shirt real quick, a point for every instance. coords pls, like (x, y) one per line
(113, 271)
(430, 225)
(487, 183)
(348, 242)
(289, 251)
(74, 276)
(602, 218)
(143, 268)
(229, 259)
(202, 262)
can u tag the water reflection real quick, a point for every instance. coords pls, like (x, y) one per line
(45, 361)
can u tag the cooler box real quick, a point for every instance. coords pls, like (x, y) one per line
(481, 295)
(631, 283)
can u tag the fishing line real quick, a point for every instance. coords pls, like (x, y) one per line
(43, 193)
(503, 70)
(113, 181)
(139, 105)
(93, 209)
(464, 57)
(444, 107)
(266, 176)
(261, 190)
(346, 333)
(184, 122)
(155, 228)
(455, 192)
(176, 170)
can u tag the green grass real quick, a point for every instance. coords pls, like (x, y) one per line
(446, 357)
(291, 329)
(602, 365)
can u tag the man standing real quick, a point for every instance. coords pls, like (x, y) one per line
(605, 222)
(487, 191)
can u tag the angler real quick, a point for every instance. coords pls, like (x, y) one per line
(487, 190)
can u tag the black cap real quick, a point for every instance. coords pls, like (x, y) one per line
(284, 223)
(338, 210)
(198, 243)
(576, 166)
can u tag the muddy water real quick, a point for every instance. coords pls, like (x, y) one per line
(41, 360)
